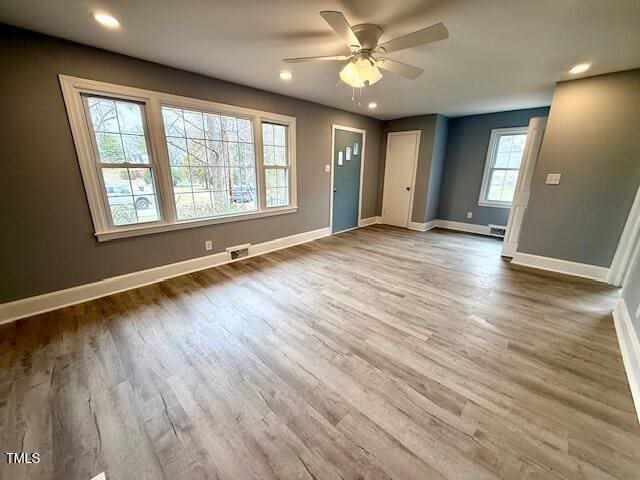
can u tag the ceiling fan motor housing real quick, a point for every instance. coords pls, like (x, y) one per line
(368, 34)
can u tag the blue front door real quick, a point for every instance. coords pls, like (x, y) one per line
(347, 155)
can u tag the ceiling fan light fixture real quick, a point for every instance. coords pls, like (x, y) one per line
(367, 70)
(349, 75)
(363, 69)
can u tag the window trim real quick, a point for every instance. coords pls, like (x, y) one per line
(74, 88)
(493, 145)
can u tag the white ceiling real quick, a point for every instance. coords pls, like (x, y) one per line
(501, 54)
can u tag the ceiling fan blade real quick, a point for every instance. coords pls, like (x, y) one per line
(434, 33)
(337, 21)
(330, 58)
(407, 71)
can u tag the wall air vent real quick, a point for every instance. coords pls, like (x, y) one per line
(239, 251)
(497, 230)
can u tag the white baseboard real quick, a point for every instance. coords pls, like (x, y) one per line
(593, 272)
(422, 227)
(566, 267)
(448, 224)
(629, 348)
(369, 221)
(62, 298)
(464, 227)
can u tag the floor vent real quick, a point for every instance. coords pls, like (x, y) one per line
(497, 230)
(239, 251)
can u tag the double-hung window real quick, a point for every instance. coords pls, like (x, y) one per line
(506, 148)
(121, 154)
(152, 161)
(276, 164)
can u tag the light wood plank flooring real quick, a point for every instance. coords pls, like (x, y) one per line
(378, 353)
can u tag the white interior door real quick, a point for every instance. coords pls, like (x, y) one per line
(399, 177)
(523, 186)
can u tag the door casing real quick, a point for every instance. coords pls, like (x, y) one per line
(535, 132)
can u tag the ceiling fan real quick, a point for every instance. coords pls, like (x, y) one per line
(363, 64)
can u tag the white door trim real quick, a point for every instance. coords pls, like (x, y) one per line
(629, 348)
(628, 246)
(535, 134)
(413, 174)
(335, 127)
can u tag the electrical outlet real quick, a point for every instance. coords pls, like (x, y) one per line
(327, 168)
(553, 179)
(208, 245)
(469, 214)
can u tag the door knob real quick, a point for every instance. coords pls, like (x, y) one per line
(335, 190)
(408, 189)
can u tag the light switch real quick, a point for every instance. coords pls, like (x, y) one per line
(327, 168)
(553, 179)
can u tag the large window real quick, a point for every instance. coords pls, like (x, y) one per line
(213, 165)
(152, 161)
(504, 157)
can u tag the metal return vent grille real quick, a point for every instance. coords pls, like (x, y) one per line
(238, 251)
(497, 230)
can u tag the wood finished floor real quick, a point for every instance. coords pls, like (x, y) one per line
(378, 353)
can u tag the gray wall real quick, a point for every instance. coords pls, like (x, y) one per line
(47, 240)
(432, 144)
(465, 158)
(592, 140)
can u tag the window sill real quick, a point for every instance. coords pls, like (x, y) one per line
(148, 230)
(483, 203)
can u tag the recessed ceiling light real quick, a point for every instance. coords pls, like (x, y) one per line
(285, 76)
(106, 20)
(580, 68)
(373, 105)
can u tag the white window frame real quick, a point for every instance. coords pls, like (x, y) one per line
(496, 133)
(74, 88)
(100, 166)
(276, 167)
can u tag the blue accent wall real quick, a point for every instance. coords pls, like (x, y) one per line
(465, 157)
(437, 167)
